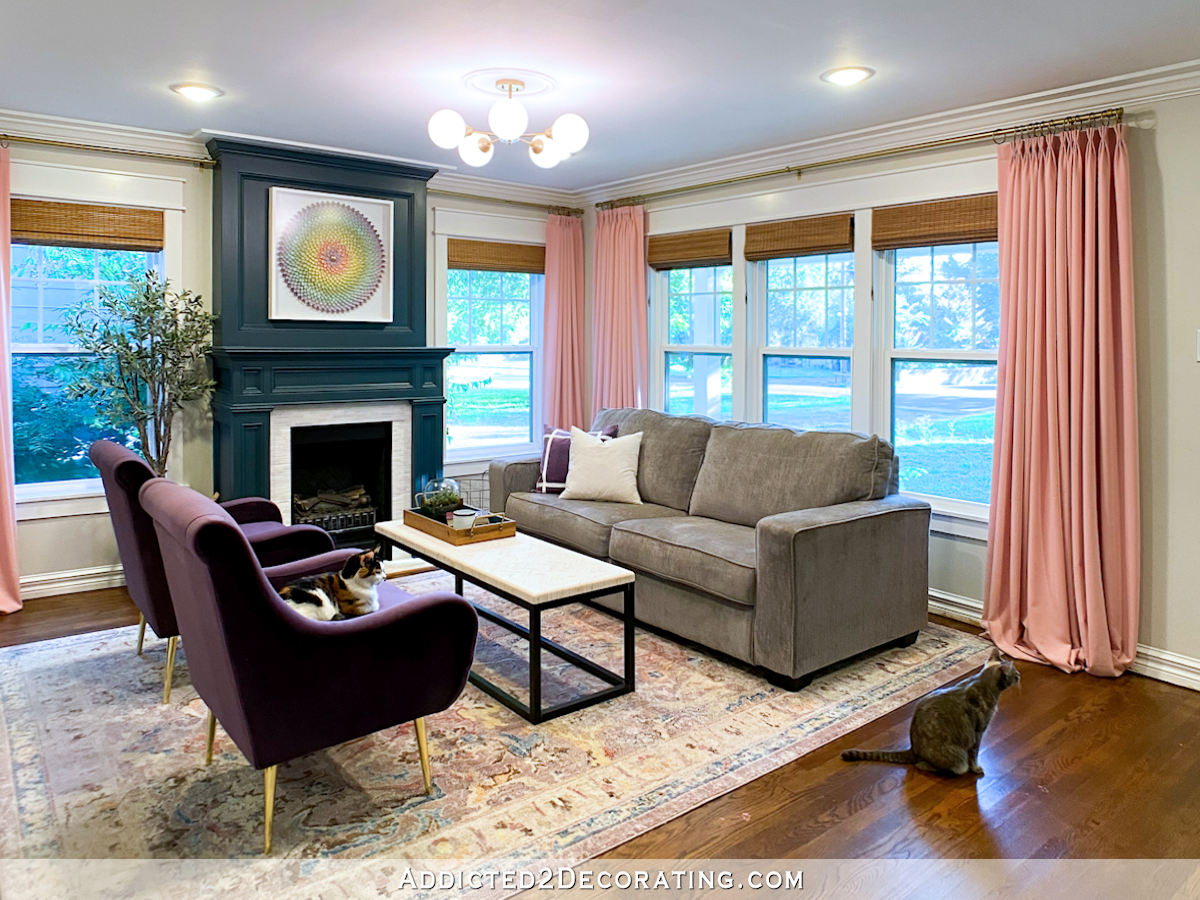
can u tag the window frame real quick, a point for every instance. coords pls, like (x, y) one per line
(660, 346)
(535, 349)
(43, 181)
(758, 289)
(887, 354)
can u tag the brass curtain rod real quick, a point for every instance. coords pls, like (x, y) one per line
(999, 135)
(529, 204)
(202, 161)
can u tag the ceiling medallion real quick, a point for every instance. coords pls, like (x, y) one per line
(507, 124)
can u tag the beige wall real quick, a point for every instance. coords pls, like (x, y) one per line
(79, 542)
(1165, 179)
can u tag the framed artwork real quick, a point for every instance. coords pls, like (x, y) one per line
(331, 257)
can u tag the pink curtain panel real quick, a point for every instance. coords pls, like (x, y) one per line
(562, 372)
(619, 346)
(1063, 545)
(10, 580)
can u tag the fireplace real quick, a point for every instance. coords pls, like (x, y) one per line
(341, 479)
(274, 375)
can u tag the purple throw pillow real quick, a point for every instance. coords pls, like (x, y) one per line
(556, 458)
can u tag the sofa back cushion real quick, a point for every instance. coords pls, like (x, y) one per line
(752, 471)
(671, 454)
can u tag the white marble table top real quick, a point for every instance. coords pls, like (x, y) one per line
(535, 570)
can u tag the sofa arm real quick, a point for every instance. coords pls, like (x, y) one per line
(511, 476)
(839, 580)
(252, 509)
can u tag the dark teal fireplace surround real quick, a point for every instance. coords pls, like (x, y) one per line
(260, 364)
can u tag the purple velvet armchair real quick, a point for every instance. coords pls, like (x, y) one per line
(290, 550)
(248, 650)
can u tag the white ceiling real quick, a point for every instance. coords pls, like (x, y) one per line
(663, 83)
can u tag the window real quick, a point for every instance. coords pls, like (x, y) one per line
(941, 366)
(808, 335)
(52, 431)
(493, 379)
(697, 355)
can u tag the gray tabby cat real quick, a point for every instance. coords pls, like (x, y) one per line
(948, 725)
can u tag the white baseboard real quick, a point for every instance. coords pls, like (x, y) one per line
(48, 584)
(956, 607)
(1161, 665)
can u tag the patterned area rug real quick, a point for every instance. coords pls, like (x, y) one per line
(92, 765)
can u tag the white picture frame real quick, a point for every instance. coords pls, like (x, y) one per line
(292, 295)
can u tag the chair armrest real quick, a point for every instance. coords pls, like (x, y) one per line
(252, 509)
(511, 476)
(839, 580)
(284, 574)
(296, 542)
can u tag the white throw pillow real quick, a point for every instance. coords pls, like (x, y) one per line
(603, 470)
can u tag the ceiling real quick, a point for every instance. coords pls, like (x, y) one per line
(662, 83)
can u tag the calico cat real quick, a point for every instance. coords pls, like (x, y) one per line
(948, 725)
(339, 595)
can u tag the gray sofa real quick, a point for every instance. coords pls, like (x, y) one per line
(788, 550)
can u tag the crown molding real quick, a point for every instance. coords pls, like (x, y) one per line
(1144, 87)
(502, 191)
(206, 134)
(82, 131)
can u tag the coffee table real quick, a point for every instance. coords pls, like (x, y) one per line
(535, 575)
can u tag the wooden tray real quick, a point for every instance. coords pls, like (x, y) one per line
(445, 532)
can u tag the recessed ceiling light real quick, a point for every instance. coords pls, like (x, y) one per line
(847, 75)
(197, 93)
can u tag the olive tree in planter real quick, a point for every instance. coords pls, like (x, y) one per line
(146, 347)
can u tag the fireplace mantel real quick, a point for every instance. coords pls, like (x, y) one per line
(253, 382)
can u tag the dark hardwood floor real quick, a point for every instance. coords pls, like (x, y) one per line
(1075, 766)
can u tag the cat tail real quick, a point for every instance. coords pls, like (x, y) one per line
(892, 756)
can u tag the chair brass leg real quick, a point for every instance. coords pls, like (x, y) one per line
(269, 791)
(141, 631)
(171, 644)
(423, 747)
(212, 733)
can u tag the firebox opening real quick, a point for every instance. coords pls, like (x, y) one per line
(342, 479)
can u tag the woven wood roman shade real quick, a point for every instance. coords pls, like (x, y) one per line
(495, 256)
(86, 225)
(798, 237)
(713, 247)
(961, 220)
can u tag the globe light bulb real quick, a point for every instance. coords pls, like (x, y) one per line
(447, 128)
(475, 149)
(570, 132)
(508, 119)
(545, 152)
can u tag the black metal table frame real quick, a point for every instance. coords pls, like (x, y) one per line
(533, 711)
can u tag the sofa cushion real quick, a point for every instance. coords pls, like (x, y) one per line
(752, 471)
(671, 454)
(705, 554)
(582, 524)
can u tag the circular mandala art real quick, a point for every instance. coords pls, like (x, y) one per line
(331, 257)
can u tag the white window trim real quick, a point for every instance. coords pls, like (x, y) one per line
(948, 509)
(43, 181)
(536, 350)
(660, 292)
(756, 279)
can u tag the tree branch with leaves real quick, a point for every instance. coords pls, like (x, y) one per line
(147, 348)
